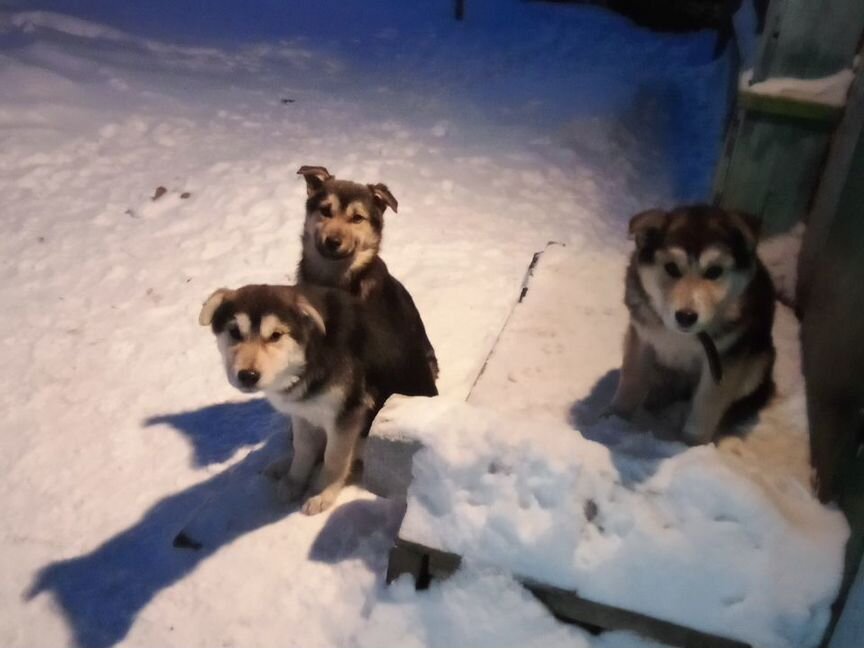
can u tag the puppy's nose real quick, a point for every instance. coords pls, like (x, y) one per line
(686, 317)
(332, 243)
(248, 377)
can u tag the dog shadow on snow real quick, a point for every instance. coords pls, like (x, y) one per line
(640, 445)
(101, 593)
(637, 447)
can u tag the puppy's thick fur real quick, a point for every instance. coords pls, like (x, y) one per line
(694, 273)
(321, 359)
(341, 241)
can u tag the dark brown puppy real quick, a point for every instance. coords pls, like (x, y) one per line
(341, 240)
(701, 310)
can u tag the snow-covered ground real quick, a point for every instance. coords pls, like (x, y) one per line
(527, 123)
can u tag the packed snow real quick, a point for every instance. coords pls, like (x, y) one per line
(526, 123)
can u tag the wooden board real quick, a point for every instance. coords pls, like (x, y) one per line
(424, 564)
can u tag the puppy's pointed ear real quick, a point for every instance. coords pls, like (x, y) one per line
(383, 197)
(312, 313)
(749, 225)
(214, 301)
(647, 225)
(315, 177)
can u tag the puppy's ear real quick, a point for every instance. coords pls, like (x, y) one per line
(749, 225)
(383, 197)
(646, 226)
(214, 301)
(315, 177)
(312, 313)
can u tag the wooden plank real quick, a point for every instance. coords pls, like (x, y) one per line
(788, 107)
(406, 559)
(772, 167)
(567, 605)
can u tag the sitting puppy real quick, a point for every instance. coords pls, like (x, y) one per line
(320, 360)
(341, 240)
(701, 310)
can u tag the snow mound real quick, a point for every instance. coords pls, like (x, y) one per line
(683, 535)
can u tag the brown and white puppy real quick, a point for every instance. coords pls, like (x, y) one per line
(701, 310)
(315, 355)
(341, 241)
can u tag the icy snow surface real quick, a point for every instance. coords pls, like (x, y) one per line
(525, 124)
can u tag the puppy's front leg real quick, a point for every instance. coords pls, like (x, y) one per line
(308, 447)
(712, 400)
(338, 456)
(634, 380)
(707, 409)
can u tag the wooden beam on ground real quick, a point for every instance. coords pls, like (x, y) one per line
(425, 563)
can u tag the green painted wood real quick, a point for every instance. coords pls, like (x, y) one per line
(771, 167)
(809, 39)
(775, 148)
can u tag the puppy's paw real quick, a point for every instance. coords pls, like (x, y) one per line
(694, 434)
(278, 469)
(318, 503)
(618, 408)
(288, 490)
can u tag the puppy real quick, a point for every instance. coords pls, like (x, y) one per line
(701, 310)
(341, 240)
(318, 359)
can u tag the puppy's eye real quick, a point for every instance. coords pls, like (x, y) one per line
(325, 210)
(713, 272)
(235, 333)
(357, 218)
(672, 270)
(275, 336)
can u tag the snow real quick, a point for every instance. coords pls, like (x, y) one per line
(527, 123)
(685, 536)
(829, 91)
(780, 254)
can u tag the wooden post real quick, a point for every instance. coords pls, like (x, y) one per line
(831, 303)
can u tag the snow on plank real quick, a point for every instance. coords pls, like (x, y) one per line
(726, 540)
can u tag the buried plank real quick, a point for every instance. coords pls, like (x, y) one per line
(424, 564)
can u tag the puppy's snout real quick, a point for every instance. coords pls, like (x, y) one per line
(686, 317)
(248, 377)
(332, 243)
